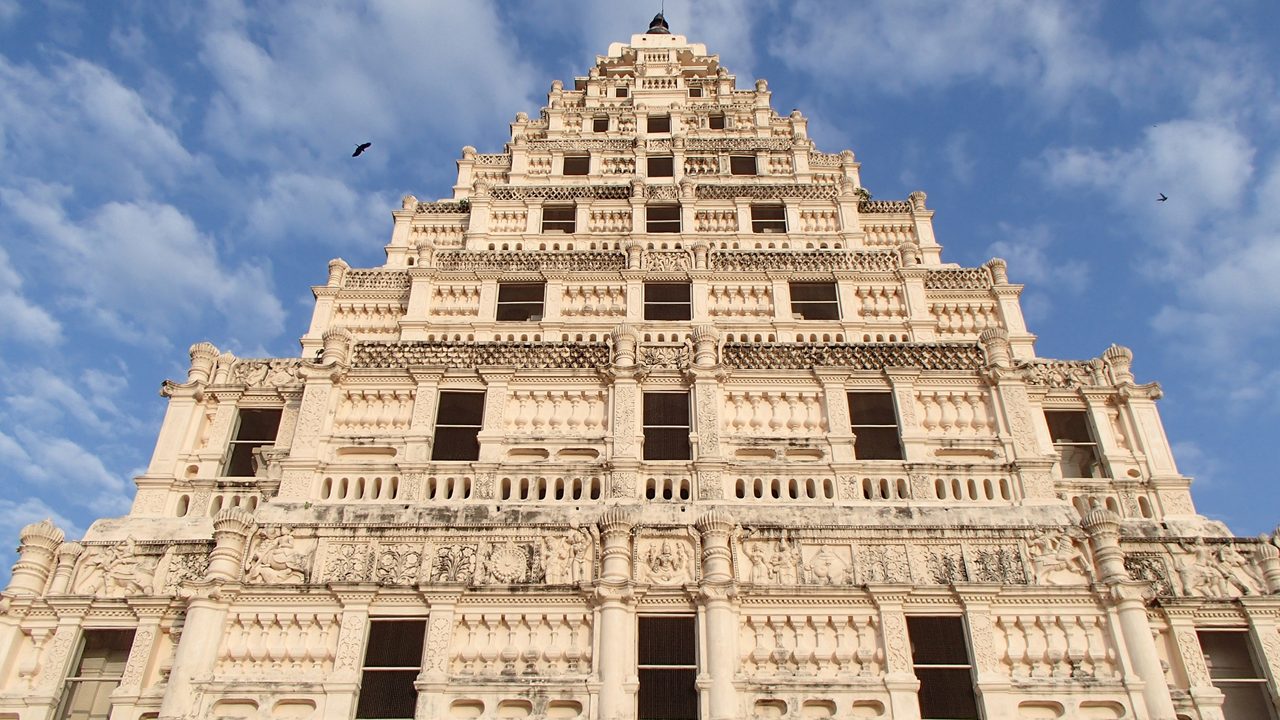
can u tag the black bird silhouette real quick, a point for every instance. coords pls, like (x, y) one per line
(1162, 198)
(361, 148)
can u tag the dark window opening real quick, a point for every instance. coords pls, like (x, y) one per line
(814, 301)
(620, 92)
(1074, 443)
(459, 416)
(392, 660)
(659, 123)
(559, 218)
(768, 218)
(666, 426)
(667, 301)
(875, 425)
(577, 164)
(255, 429)
(716, 122)
(662, 218)
(667, 663)
(661, 166)
(1234, 670)
(742, 165)
(600, 124)
(695, 92)
(940, 657)
(87, 693)
(520, 302)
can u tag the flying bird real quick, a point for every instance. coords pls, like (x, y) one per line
(361, 148)
(1162, 198)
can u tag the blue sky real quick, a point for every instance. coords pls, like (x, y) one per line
(174, 172)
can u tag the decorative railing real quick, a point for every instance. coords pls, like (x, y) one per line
(787, 356)
(531, 261)
(479, 354)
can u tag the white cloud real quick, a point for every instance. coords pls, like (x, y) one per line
(317, 208)
(145, 266)
(1028, 252)
(59, 465)
(24, 320)
(9, 11)
(41, 397)
(959, 157)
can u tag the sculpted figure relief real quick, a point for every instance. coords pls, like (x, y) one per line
(825, 568)
(116, 571)
(275, 560)
(667, 563)
(1057, 559)
(775, 565)
(565, 558)
(1223, 573)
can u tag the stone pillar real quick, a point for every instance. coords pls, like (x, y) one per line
(55, 662)
(835, 401)
(231, 529)
(1126, 597)
(337, 346)
(899, 673)
(1267, 558)
(68, 553)
(994, 688)
(493, 430)
(615, 660)
(434, 679)
(923, 325)
(343, 685)
(137, 668)
(922, 218)
(1206, 698)
(1263, 614)
(197, 649)
(625, 420)
(39, 542)
(915, 442)
(718, 597)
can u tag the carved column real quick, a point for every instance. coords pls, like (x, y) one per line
(1263, 614)
(423, 420)
(914, 441)
(39, 542)
(493, 430)
(1206, 698)
(994, 688)
(231, 529)
(55, 660)
(137, 668)
(1130, 609)
(68, 554)
(835, 401)
(197, 650)
(923, 325)
(344, 683)
(616, 637)
(718, 597)
(1016, 423)
(625, 421)
(706, 373)
(899, 674)
(1267, 558)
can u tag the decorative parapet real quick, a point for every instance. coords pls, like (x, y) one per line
(1062, 373)
(962, 279)
(376, 280)
(493, 159)
(807, 261)
(718, 191)
(825, 160)
(531, 261)
(797, 356)
(549, 355)
(884, 206)
(562, 192)
(444, 207)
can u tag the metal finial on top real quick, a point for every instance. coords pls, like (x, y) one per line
(658, 26)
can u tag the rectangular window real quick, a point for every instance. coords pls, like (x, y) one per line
(392, 660)
(659, 124)
(814, 301)
(1074, 442)
(940, 657)
(1235, 671)
(600, 124)
(520, 302)
(667, 661)
(666, 426)
(695, 92)
(768, 218)
(875, 423)
(716, 122)
(620, 92)
(661, 166)
(459, 416)
(87, 694)
(559, 218)
(254, 429)
(742, 165)
(662, 218)
(577, 164)
(667, 301)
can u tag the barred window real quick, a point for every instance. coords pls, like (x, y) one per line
(667, 301)
(255, 428)
(559, 218)
(666, 426)
(520, 302)
(814, 301)
(662, 218)
(1234, 669)
(600, 123)
(459, 417)
(742, 165)
(1075, 444)
(716, 122)
(768, 218)
(667, 663)
(940, 658)
(97, 673)
(659, 123)
(875, 425)
(392, 660)
(577, 164)
(661, 165)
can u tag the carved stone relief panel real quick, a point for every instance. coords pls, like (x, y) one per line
(666, 560)
(120, 570)
(278, 557)
(884, 564)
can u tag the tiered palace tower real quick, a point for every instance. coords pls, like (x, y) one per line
(660, 415)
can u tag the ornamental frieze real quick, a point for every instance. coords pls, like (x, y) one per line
(561, 192)
(704, 191)
(550, 355)
(877, 356)
(376, 280)
(804, 261)
(531, 261)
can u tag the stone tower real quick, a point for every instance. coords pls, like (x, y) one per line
(659, 415)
